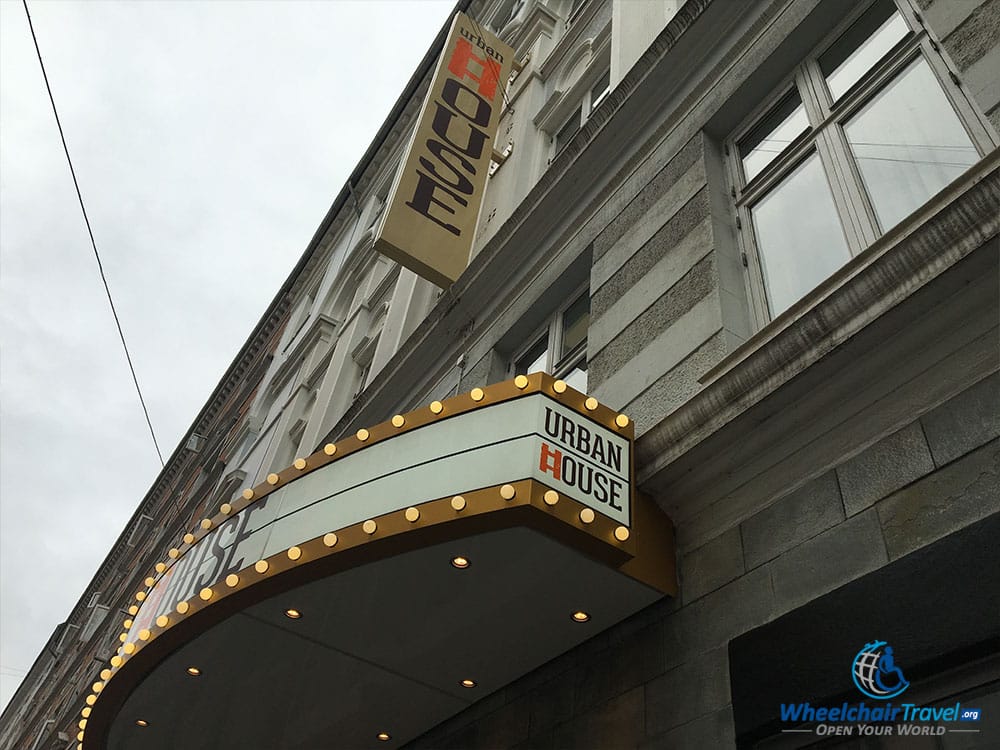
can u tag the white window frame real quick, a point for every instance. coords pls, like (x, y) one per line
(826, 138)
(583, 111)
(552, 328)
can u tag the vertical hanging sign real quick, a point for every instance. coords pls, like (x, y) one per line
(430, 219)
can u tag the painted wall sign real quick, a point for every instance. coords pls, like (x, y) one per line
(430, 219)
(533, 437)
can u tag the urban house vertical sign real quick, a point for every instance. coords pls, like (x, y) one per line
(431, 216)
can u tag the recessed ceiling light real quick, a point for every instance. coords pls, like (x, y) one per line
(383, 737)
(141, 723)
(293, 614)
(580, 616)
(193, 671)
(460, 562)
(468, 683)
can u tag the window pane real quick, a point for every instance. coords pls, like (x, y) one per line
(773, 134)
(574, 322)
(568, 130)
(577, 377)
(800, 238)
(600, 90)
(909, 144)
(861, 46)
(535, 359)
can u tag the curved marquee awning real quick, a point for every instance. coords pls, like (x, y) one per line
(383, 584)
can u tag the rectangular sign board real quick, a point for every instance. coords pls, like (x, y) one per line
(430, 220)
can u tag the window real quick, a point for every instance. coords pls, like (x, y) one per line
(865, 131)
(560, 347)
(592, 99)
(600, 90)
(377, 212)
(565, 134)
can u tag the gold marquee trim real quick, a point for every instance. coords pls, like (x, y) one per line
(612, 541)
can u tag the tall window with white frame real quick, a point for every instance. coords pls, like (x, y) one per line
(559, 347)
(596, 94)
(864, 132)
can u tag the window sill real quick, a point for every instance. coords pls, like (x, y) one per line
(837, 298)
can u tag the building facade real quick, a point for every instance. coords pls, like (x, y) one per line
(765, 231)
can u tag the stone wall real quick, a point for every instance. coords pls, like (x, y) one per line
(969, 31)
(662, 679)
(656, 310)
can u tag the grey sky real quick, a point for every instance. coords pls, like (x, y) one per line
(209, 139)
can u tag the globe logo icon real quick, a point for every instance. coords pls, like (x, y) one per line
(875, 672)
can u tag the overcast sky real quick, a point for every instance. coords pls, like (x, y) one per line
(209, 139)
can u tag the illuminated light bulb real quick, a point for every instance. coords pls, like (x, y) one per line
(460, 562)
(580, 616)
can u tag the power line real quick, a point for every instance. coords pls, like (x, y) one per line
(93, 243)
